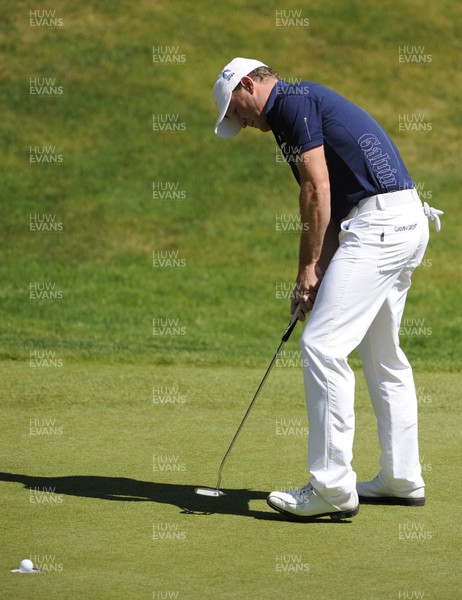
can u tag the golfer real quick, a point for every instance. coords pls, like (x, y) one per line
(363, 231)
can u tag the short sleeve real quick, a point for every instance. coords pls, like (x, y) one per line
(301, 119)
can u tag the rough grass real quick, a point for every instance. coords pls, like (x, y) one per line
(224, 229)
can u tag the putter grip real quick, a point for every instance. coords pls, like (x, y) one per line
(291, 325)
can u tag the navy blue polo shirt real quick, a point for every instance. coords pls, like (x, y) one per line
(361, 158)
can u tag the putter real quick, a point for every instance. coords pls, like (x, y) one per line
(216, 492)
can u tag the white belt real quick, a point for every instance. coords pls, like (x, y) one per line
(382, 201)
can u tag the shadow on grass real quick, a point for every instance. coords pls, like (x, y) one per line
(122, 489)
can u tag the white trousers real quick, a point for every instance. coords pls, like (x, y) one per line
(360, 304)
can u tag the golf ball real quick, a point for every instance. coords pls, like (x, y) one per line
(26, 566)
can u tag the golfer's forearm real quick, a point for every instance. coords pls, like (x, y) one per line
(314, 218)
(330, 245)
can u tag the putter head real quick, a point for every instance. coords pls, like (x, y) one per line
(212, 492)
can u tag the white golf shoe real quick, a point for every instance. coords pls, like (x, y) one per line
(377, 492)
(306, 503)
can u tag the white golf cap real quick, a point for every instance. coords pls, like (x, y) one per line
(226, 81)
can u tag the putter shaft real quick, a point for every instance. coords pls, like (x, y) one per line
(284, 339)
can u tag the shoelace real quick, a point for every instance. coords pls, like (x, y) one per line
(433, 214)
(304, 492)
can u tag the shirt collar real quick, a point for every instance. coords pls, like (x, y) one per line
(272, 96)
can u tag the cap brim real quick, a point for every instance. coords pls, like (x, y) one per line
(227, 128)
(224, 127)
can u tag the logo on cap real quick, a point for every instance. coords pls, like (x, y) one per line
(227, 74)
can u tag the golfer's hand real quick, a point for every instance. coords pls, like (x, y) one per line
(305, 290)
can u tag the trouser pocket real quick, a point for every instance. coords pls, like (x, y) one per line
(402, 244)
